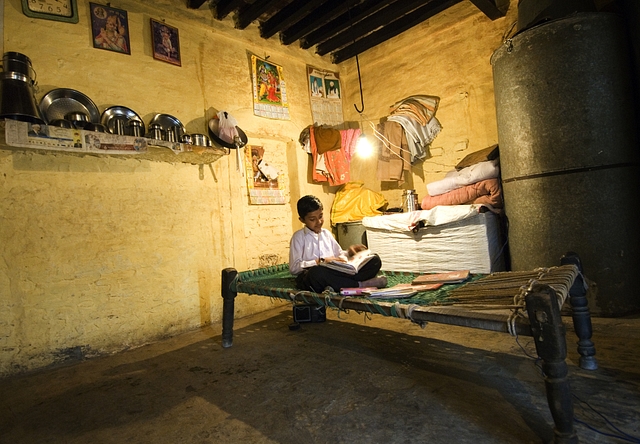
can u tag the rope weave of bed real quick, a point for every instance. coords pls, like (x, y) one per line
(497, 290)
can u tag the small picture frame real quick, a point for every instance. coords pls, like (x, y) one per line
(110, 28)
(166, 43)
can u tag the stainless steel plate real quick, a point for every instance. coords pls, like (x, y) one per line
(57, 103)
(167, 121)
(113, 113)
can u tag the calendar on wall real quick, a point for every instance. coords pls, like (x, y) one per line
(325, 94)
(269, 89)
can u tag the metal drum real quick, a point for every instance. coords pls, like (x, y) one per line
(569, 151)
(351, 233)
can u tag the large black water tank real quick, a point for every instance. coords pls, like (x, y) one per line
(569, 152)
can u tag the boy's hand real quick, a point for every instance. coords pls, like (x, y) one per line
(353, 249)
(334, 259)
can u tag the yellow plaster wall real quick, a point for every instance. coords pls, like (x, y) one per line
(446, 56)
(100, 254)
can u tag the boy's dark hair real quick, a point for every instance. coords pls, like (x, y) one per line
(308, 204)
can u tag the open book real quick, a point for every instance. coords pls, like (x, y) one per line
(450, 277)
(353, 264)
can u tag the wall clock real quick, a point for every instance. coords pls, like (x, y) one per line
(60, 10)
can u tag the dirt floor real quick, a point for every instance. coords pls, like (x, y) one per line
(351, 379)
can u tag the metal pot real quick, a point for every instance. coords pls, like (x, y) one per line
(17, 101)
(136, 128)
(155, 132)
(98, 127)
(201, 140)
(18, 66)
(78, 119)
(61, 123)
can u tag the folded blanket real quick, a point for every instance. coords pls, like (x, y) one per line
(455, 179)
(486, 192)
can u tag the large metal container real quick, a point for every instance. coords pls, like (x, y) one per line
(351, 233)
(569, 151)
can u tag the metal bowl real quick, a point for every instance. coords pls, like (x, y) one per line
(61, 123)
(200, 140)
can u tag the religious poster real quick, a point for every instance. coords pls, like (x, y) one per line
(264, 181)
(110, 28)
(165, 42)
(325, 92)
(269, 89)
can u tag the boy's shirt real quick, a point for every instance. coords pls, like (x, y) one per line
(306, 246)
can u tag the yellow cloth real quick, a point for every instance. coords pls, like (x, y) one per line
(353, 203)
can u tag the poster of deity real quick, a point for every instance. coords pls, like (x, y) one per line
(110, 28)
(269, 89)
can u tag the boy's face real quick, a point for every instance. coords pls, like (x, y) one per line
(314, 220)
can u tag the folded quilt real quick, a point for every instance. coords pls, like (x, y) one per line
(455, 179)
(485, 192)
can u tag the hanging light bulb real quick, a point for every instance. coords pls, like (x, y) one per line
(363, 147)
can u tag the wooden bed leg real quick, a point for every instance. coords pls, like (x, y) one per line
(228, 306)
(549, 336)
(581, 316)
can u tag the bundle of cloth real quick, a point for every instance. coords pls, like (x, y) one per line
(478, 183)
(406, 134)
(331, 151)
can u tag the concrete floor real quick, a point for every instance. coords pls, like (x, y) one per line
(349, 380)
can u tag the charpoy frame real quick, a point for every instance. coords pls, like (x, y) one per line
(533, 299)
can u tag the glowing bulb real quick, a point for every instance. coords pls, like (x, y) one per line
(363, 147)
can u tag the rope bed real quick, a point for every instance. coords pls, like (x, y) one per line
(501, 290)
(516, 302)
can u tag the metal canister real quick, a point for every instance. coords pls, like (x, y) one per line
(409, 200)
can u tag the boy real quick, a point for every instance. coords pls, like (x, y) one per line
(313, 245)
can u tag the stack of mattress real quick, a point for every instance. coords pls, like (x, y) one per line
(445, 238)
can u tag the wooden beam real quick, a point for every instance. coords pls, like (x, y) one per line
(381, 18)
(225, 7)
(332, 25)
(318, 18)
(392, 29)
(252, 12)
(489, 8)
(195, 4)
(289, 15)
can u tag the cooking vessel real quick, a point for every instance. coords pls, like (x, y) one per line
(155, 132)
(98, 127)
(78, 119)
(200, 140)
(18, 102)
(61, 123)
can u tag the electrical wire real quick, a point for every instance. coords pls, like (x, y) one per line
(622, 435)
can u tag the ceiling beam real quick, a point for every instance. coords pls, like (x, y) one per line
(251, 12)
(313, 21)
(394, 28)
(336, 24)
(225, 7)
(381, 18)
(195, 4)
(287, 16)
(489, 8)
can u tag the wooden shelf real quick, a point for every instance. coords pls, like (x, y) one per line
(19, 136)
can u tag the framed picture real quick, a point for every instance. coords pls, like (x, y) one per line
(166, 45)
(109, 28)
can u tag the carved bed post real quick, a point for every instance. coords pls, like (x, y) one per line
(581, 315)
(549, 336)
(228, 306)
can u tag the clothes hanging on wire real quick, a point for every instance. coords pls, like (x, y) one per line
(419, 136)
(394, 157)
(332, 166)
